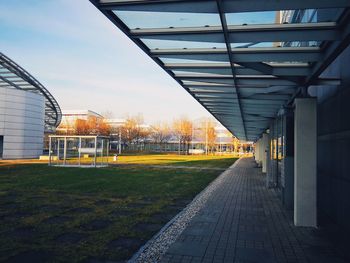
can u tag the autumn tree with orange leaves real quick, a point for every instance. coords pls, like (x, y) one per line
(91, 126)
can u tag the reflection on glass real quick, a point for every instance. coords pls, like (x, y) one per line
(137, 19)
(169, 44)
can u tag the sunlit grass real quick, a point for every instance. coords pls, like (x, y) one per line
(33, 195)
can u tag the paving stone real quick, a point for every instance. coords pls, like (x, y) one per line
(249, 225)
(187, 249)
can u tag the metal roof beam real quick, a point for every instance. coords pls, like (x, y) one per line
(246, 33)
(223, 69)
(299, 54)
(218, 93)
(209, 6)
(258, 82)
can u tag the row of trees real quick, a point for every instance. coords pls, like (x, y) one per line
(92, 125)
(133, 131)
(182, 129)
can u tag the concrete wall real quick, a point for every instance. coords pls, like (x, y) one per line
(334, 146)
(21, 123)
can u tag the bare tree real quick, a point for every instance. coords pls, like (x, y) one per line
(209, 134)
(133, 130)
(235, 144)
(160, 133)
(183, 129)
(108, 114)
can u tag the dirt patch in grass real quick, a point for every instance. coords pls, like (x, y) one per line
(103, 202)
(125, 242)
(162, 217)
(136, 205)
(48, 208)
(70, 238)
(17, 215)
(97, 224)
(81, 210)
(57, 220)
(27, 232)
(147, 227)
(118, 213)
(37, 256)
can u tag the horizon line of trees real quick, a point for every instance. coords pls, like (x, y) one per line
(133, 131)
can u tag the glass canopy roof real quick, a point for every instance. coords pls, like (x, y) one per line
(243, 60)
(13, 76)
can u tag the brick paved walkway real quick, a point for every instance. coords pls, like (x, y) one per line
(243, 222)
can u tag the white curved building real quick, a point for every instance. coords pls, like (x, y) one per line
(22, 116)
(27, 110)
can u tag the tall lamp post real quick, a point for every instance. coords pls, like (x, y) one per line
(120, 141)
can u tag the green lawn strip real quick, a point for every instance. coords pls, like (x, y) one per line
(46, 193)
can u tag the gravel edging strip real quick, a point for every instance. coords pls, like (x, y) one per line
(153, 250)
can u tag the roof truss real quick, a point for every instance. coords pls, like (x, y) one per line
(251, 70)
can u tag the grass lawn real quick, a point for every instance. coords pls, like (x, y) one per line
(94, 215)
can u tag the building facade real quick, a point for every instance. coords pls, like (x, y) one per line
(21, 124)
(27, 111)
(69, 118)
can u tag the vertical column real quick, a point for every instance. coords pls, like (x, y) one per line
(288, 159)
(50, 141)
(102, 146)
(65, 150)
(120, 141)
(305, 162)
(258, 160)
(261, 151)
(256, 153)
(107, 150)
(95, 156)
(270, 168)
(58, 150)
(79, 151)
(265, 143)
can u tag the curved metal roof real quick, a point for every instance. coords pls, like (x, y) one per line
(14, 76)
(243, 60)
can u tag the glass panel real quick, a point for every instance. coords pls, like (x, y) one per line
(137, 19)
(177, 60)
(277, 44)
(284, 16)
(179, 72)
(166, 44)
(267, 17)
(309, 15)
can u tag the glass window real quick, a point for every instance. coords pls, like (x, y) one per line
(137, 19)
(168, 44)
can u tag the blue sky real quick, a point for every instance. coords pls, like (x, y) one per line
(87, 63)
